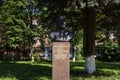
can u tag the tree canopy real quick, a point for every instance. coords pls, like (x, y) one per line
(16, 16)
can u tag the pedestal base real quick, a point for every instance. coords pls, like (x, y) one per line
(60, 60)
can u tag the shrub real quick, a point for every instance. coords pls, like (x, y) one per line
(108, 51)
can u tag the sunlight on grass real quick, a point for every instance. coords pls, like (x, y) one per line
(7, 78)
(77, 67)
(26, 70)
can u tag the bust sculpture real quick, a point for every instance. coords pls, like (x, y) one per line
(60, 34)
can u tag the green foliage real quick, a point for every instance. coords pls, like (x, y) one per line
(108, 51)
(99, 35)
(107, 20)
(77, 41)
(12, 35)
(78, 56)
(108, 14)
(15, 16)
(77, 37)
(15, 21)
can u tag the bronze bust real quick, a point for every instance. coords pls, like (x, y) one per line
(61, 34)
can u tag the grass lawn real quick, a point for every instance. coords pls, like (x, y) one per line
(25, 70)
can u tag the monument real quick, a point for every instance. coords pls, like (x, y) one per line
(60, 51)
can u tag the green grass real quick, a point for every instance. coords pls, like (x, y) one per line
(25, 70)
(105, 71)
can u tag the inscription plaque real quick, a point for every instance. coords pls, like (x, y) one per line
(60, 60)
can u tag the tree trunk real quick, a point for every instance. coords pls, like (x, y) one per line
(89, 40)
(32, 55)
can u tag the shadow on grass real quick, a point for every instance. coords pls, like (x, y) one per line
(77, 69)
(28, 71)
(108, 65)
(25, 71)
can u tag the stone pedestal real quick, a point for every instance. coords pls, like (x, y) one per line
(60, 60)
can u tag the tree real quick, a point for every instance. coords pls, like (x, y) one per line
(89, 28)
(107, 24)
(16, 19)
(89, 37)
(108, 16)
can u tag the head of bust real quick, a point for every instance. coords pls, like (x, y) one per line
(60, 22)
